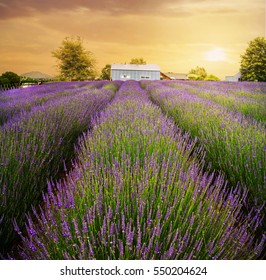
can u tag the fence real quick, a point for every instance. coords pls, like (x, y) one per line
(8, 86)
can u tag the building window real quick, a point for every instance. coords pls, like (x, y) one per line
(145, 77)
(125, 76)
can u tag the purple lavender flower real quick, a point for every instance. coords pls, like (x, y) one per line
(134, 157)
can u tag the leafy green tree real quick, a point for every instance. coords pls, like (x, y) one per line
(10, 78)
(106, 72)
(211, 77)
(4, 81)
(193, 77)
(74, 62)
(253, 61)
(199, 73)
(137, 60)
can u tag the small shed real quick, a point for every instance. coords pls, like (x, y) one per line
(235, 78)
(136, 72)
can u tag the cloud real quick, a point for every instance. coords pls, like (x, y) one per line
(18, 8)
(27, 8)
(172, 33)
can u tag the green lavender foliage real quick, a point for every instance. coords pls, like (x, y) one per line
(34, 148)
(137, 191)
(247, 98)
(233, 143)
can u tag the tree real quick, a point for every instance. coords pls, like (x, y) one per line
(10, 78)
(253, 61)
(137, 60)
(106, 72)
(74, 62)
(199, 73)
(193, 77)
(211, 77)
(3, 82)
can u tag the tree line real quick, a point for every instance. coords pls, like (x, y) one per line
(74, 63)
(10, 80)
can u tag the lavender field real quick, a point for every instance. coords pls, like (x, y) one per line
(133, 170)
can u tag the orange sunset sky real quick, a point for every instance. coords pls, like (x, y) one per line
(176, 34)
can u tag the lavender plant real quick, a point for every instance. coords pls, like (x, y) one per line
(233, 144)
(250, 102)
(14, 101)
(34, 148)
(137, 191)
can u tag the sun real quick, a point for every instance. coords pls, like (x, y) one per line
(216, 54)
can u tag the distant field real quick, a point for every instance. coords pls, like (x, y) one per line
(133, 170)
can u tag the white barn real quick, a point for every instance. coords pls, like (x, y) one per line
(135, 72)
(235, 78)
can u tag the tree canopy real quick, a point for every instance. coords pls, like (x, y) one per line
(106, 72)
(73, 61)
(137, 60)
(199, 73)
(9, 78)
(253, 61)
(211, 77)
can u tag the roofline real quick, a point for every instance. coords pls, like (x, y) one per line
(171, 77)
(135, 67)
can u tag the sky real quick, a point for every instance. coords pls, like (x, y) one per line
(178, 35)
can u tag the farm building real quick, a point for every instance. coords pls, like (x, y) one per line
(135, 72)
(235, 78)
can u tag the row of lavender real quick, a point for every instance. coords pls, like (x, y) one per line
(138, 191)
(233, 143)
(35, 144)
(247, 98)
(14, 101)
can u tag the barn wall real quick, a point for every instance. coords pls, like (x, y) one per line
(134, 75)
(234, 78)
